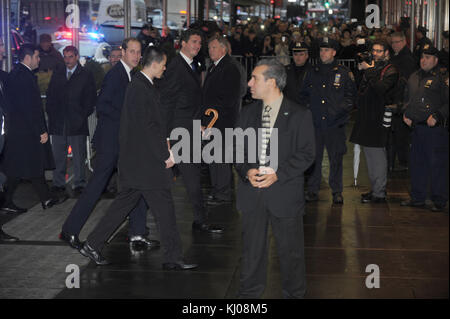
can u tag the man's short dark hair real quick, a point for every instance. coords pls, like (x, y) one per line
(125, 42)
(275, 70)
(186, 35)
(26, 49)
(382, 43)
(400, 35)
(152, 54)
(71, 48)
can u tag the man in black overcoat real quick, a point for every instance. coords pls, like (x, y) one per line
(144, 167)
(27, 152)
(106, 141)
(71, 97)
(181, 100)
(3, 76)
(221, 91)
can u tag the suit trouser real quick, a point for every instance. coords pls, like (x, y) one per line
(160, 202)
(191, 173)
(105, 164)
(221, 180)
(334, 140)
(377, 168)
(38, 183)
(59, 146)
(429, 163)
(289, 239)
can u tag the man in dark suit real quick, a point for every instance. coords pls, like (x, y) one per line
(27, 152)
(221, 91)
(271, 186)
(181, 100)
(3, 76)
(106, 141)
(71, 97)
(144, 162)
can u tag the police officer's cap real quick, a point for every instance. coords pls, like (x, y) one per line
(430, 50)
(422, 30)
(329, 43)
(300, 47)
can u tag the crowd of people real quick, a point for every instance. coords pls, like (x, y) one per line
(400, 97)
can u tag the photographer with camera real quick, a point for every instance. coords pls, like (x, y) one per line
(374, 111)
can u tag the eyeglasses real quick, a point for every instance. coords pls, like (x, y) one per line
(395, 42)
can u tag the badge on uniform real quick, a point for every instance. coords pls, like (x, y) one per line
(426, 46)
(337, 79)
(428, 84)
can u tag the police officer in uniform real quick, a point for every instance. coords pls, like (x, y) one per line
(422, 40)
(427, 113)
(297, 71)
(443, 54)
(329, 90)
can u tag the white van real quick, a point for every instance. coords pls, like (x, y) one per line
(110, 19)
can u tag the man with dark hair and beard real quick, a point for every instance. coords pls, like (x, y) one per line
(370, 130)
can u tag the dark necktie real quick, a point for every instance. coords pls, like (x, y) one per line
(69, 74)
(266, 135)
(212, 67)
(194, 66)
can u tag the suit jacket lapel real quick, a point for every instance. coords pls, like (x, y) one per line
(283, 115)
(123, 73)
(188, 67)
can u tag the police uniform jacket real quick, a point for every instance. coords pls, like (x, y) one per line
(427, 94)
(294, 82)
(329, 91)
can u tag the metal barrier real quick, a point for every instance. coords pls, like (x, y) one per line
(250, 62)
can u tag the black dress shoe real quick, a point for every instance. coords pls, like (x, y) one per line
(72, 240)
(437, 208)
(178, 266)
(93, 254)
(338, 199)
(11, 208)
(412, 203)
(366, 195)
(49, 203)
(144, 241)
(373, 199)
(207, 228)
(7, 238)
(311, 197)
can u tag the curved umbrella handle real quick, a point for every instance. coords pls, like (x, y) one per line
(215, 117)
